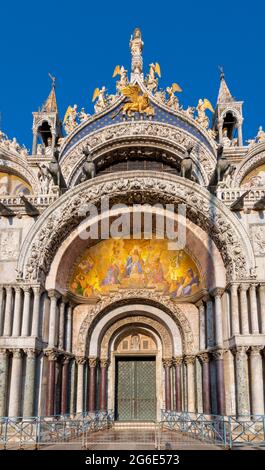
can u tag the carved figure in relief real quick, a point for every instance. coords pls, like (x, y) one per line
(202, 118)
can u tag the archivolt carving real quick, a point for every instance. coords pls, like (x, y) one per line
(19, 166)
(137, 319)
(58, 221)
(125, 297)
(142, 129)
(255, 158)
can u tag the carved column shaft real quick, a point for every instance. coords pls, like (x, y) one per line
(234, 310)
(80, 384)
(53, 319)
(177, 363)
(256, 381)
(4, 363)
(201, 308)
(36, 312)
(29, 383)
(206, 385)
(26, 312)
(68, 345)
(52, 358)
(262, 307)
(17, 312)
(189, 361)
(61, 324)
(167, 364)
(92, 384)
(242, 394)
(103, 385)
(64, 395)
(254, 309)
(15, 384)
(244, 309)
(8, 312)
(218, 317)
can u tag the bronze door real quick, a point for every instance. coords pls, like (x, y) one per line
(135, 397)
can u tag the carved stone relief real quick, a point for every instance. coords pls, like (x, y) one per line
(9, 244)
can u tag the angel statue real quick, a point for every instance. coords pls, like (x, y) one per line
(123, 81)
(152, 80)
(201, 118)
(82, 115)
(69, 120)
(173, 101)
(101, 103)
(260, 137)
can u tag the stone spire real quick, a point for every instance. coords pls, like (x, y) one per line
(50, 105)
(136, 46)
(224, 95)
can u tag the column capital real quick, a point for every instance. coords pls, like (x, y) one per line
(189, 359)
(52, 293)
(37, 290)
(80, 360)
(17, 288)
(17, 353)
(218, 354)
(66, 359)
(51, 354)
(92, 361)
(8, 288)
(177, 360)
(26, 289)
(4, 352)
(262, 287)
(104, 363)
(255, 350)
(240, 350)
(167, 361)
(243, 287)
(217, 292)
(207, 298)
(200, 303)
(204, 357)
(30, 353)
(253, 285)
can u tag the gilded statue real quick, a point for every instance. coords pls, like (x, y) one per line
(123, 81)
(173, 101)
(202, 118)
(136, 46)
(152, 80)
(138, 103)
(99, 95)
(69, 120)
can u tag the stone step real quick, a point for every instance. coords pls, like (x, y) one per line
(134, 425)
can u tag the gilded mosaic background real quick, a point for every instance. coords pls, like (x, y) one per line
(114, 264)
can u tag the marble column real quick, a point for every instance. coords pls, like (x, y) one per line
(15, 384)
(29, 382)
(92, 384)
(220, 382)
(4, 363)
(8, 312)
(189, 361)
(234, 310)
(34, 143)
(177, 361)
(61, 323)
(256, 381)
(103, 384)
(52, 341)
(244, 309)
(202, 331)
(206, 384)
(262, 306)
(17, 312)
(1, 309)
(68, 342)
(254, 309)
(36, 311)
(26, 311)
(209, 322)
(239, 133)
(218, 316)
(64, 388)
(167, 363)
(80, 384)
(242, 393)
(50, 402)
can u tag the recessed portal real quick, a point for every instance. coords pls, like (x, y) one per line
(135, 388)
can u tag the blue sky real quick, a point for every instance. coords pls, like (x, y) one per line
(80, 42)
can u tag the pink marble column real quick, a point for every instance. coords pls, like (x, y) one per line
(177, 361)
(103, 384)
(206, 385)
(92, 384)
(167, 363)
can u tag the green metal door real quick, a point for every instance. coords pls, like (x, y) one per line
(135, 395)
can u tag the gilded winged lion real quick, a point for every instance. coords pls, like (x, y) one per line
(138, 103)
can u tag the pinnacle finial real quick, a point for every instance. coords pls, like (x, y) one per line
(221, 70)
(53, 79)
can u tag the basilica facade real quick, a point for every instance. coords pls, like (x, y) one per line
(134, 323)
